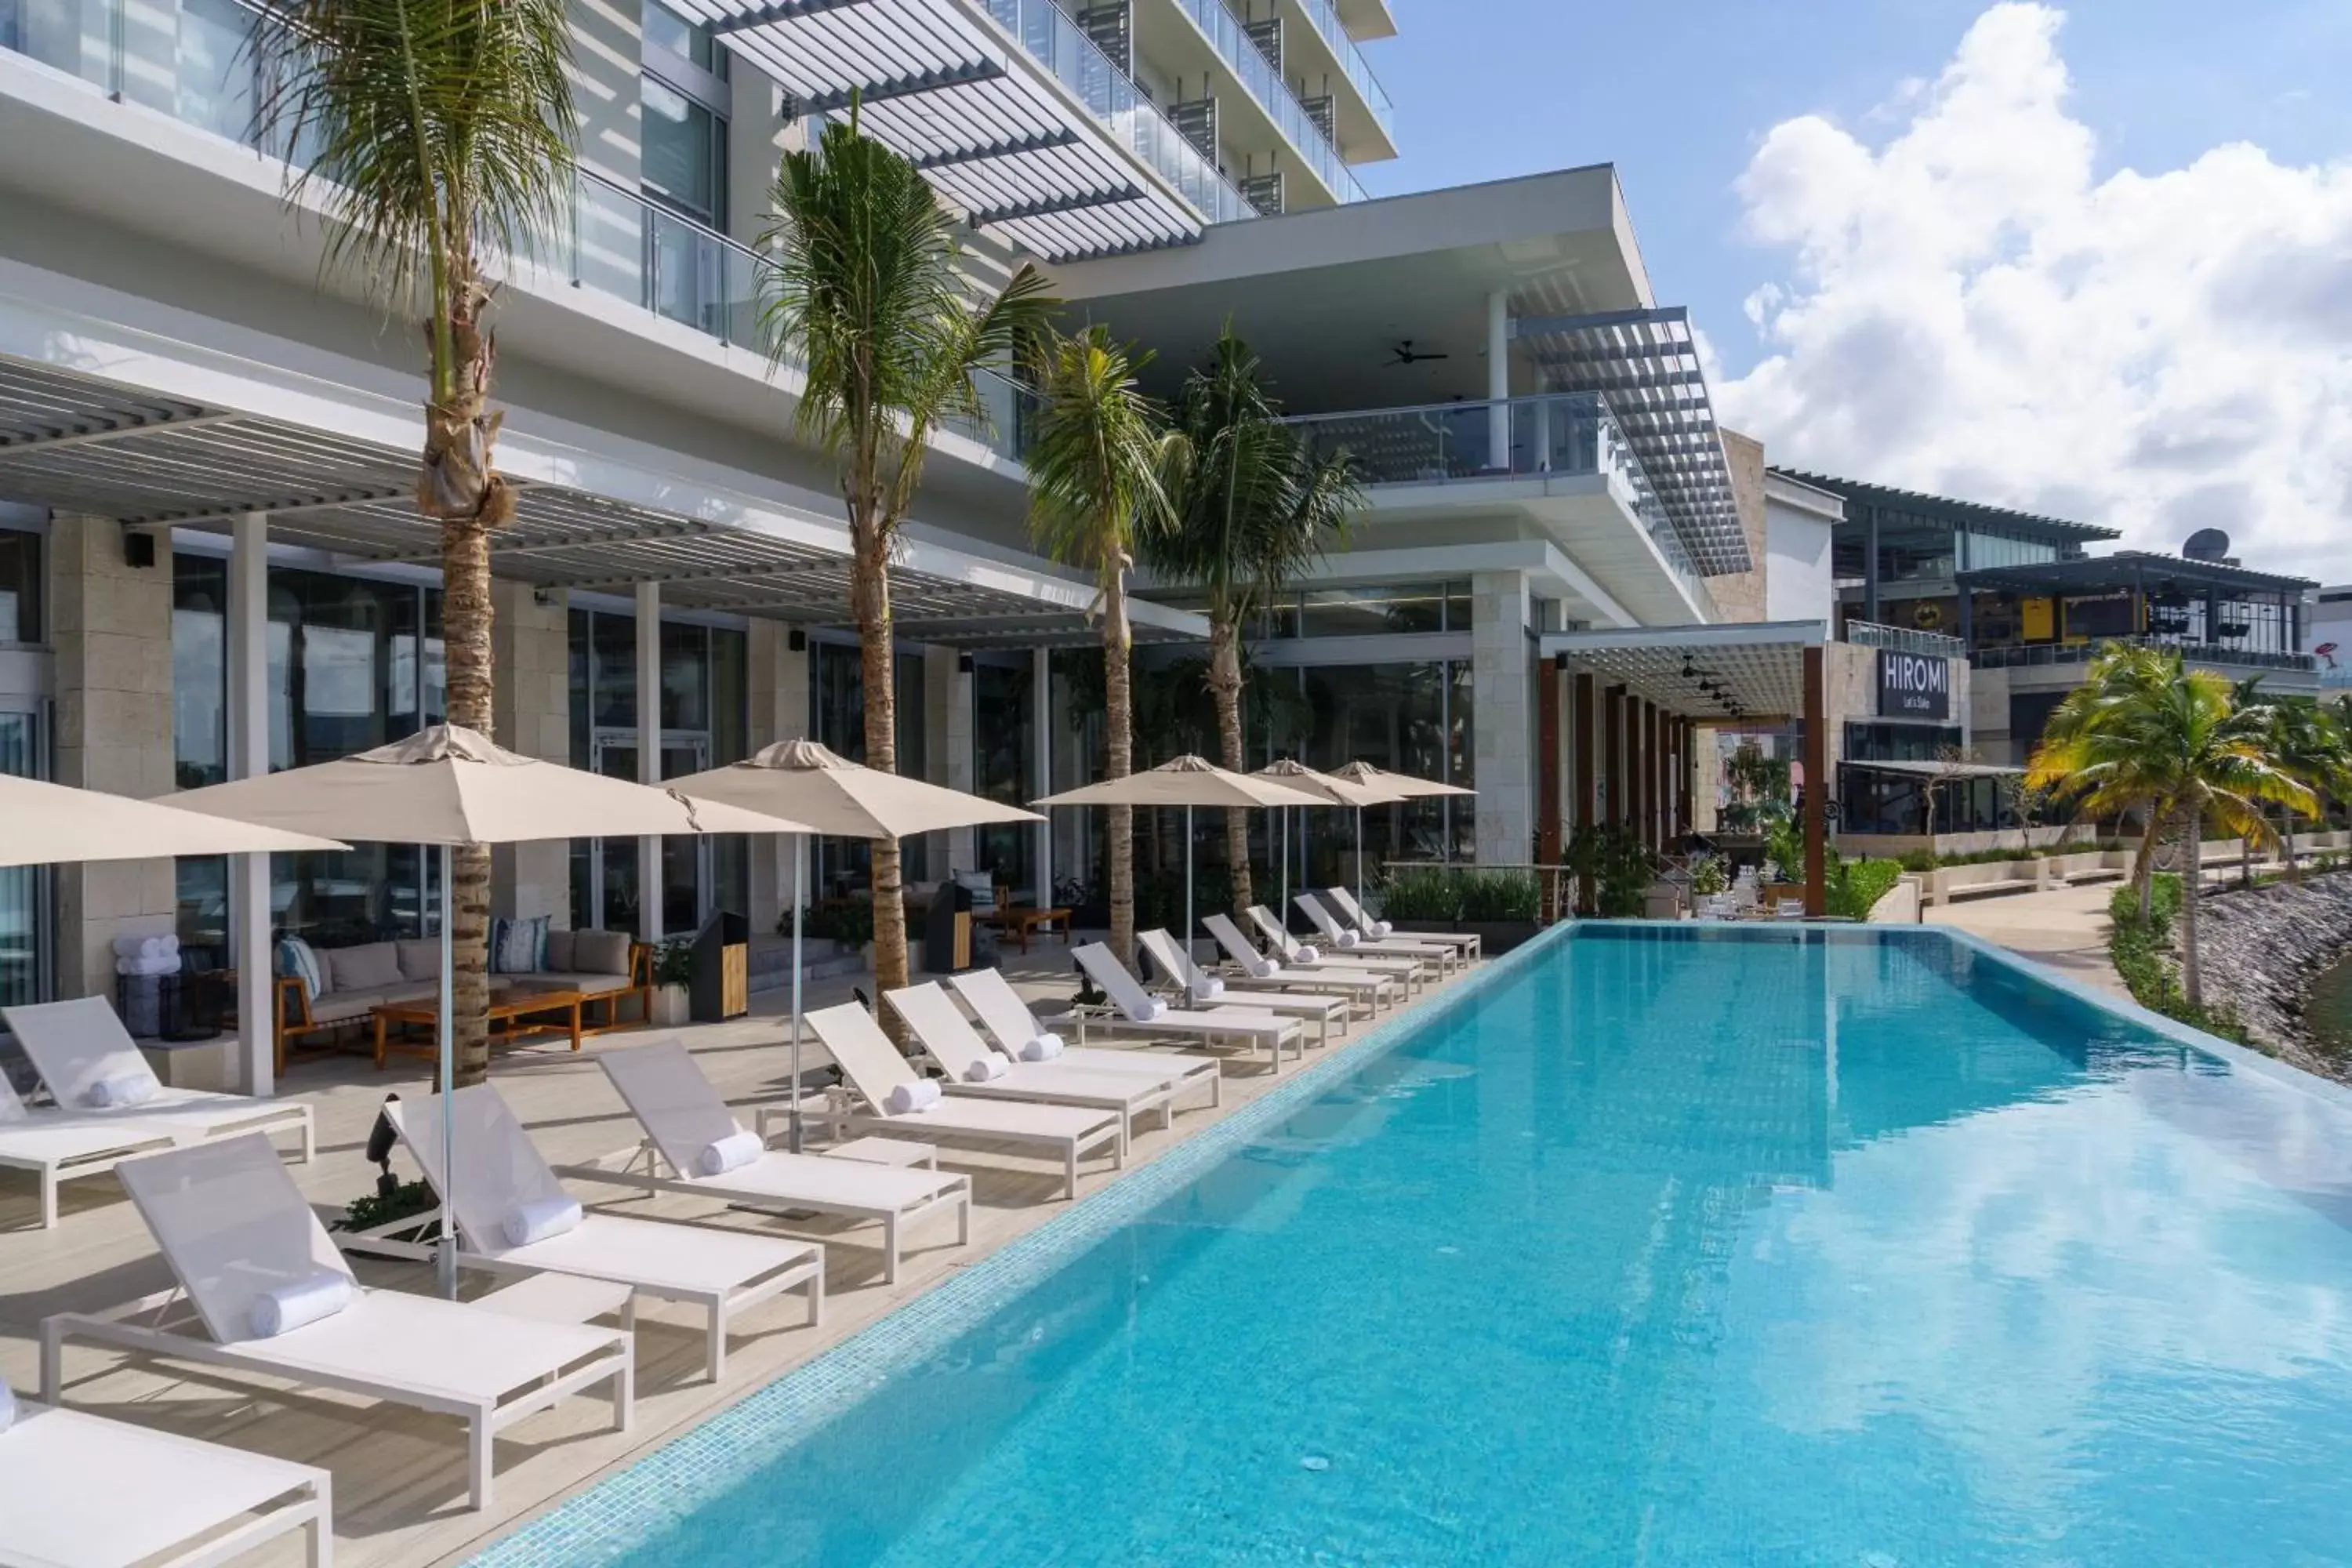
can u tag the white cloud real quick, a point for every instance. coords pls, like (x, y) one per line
(1971, 310)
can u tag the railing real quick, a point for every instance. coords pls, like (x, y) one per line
(1352, 64)
(1264, 83)
(2030, 655)
(1055, 41)
(1556, 434)
(1904, 639)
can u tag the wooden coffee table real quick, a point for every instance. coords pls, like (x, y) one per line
(516, 1010)
(1018, 923)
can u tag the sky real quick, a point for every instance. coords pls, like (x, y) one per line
(2091, 259)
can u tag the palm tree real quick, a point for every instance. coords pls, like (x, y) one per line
(864, 286)
(1098, 461)
(1256, 509)
(2306, 743)
(435, 132)
(2188, 745)
(2119, 678)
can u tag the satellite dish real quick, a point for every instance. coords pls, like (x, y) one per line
(2206, 544)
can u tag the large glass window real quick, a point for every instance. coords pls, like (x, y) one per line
(665, 29)
(840, 867)
(20, 587)
(1374, 611)
(24, 893)
(1004, 750)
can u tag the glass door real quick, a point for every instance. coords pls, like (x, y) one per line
(613, 891)
(24, 901)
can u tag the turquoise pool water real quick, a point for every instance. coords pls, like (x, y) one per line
(1867, 1251)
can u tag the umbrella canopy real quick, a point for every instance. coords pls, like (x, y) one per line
(450, 785)
(50, 823)
(1187, 780)
(839, 799)
(1406, 786)
(1335, 790)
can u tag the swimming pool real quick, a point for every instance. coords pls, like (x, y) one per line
(1841, 1247)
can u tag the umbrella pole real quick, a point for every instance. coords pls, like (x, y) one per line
(446, 1254)
(799, 845)
(1285, 862)
(1359, 857)
(1188, 889)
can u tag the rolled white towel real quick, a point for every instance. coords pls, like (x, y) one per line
(542, 1218)
(1309, 954)
(914, 1095)
(164, 946)
(130, 947)
(987, 1068)
(117, 1089)
(1150, 1010)
(732, 1153)
(160, 964)
(1378, 928)
(1347, 940)
(1044, 1049)
(302, 1302)
(7, 1406)
(1208, 988)
(1260, 968)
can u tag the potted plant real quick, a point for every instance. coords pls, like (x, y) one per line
(673, 969)
(1500, 908)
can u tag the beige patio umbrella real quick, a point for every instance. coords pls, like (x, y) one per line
(44, 824)
(1335, 790)
(1188, 782)
(837, 798)
(450, 786)
(1406, 787)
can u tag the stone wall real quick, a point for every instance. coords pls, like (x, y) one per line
(530, 707)
(2260, 952)
(1739, 595)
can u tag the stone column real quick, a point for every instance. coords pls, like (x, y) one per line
(531, 707)
(948, 745)
(248, 660)
(1503, 742)
(777, 683)
(111, 627)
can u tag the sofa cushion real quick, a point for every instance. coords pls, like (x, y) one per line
(370, 966)
(600, 952)
(339, 1006)
(420, 959)
(586, 984)
(559, 952)
(300, 961)
(519, 946)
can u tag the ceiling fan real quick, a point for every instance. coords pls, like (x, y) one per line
(1404, 354)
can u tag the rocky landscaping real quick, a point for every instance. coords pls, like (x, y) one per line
(2262, 951)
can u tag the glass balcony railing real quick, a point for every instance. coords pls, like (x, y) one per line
(1264, 83)
(1056, 42)
(2027, 655)
(1560, 434)
(1352, 64)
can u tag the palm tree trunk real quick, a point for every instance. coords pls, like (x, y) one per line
(2144, 861)
(458, 488)
(1225, 688)
(1118, 706)
(869, 595)
(2192, 978)
(2286, 839)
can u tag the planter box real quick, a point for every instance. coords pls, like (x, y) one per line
(668, 1008)
(1494, 936)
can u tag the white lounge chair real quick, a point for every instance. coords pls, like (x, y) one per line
(82, 1491)
(499, 1171)
(1138, 1009)
(875, 1070)
(1298, 955)
(683, 1116)
(1251, 969)
(234, 1230)
(57, 1145)
(1205, 992)
(1345, 941)
(943, 1031)
(1465, 944)
(79, 1045)
(1002, 1014)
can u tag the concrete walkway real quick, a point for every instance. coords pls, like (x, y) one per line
(2066, 928)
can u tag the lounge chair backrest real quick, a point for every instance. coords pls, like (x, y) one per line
(1172, 960)
(999, 1006)
(864, 1053)
(76, 1044)
(940, 1025)
(12, 1110)
(1276, 932)
(1229, 937)
(1314, 909)
(671, 1100)
(1125, 993)
(231, 1224)
(1344, 905)
(499, 1168)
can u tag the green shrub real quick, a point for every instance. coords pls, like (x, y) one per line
(1494, 896)
(1422, 893)
(408, 1200)
(1855, 887)
(2141, 951)
(674, 962)
(1619, 866)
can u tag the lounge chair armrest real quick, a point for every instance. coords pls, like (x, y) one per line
(291, 986)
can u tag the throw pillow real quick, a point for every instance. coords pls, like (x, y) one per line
(558, 952)
(516, 947)
(296, 960)
(600, 953)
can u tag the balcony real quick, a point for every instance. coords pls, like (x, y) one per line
(1471, 445)
(2035, 655)
(1332, 35)
(1272, 95)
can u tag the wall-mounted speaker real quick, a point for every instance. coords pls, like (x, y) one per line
(138, 548)
(796, 640)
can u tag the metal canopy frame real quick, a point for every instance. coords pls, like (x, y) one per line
(1645, 364)
(1898, 508)
(938, 82)
(76, 443)
(2134, 569)
(1758, 666)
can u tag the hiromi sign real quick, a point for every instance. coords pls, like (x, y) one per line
(1914, 686)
